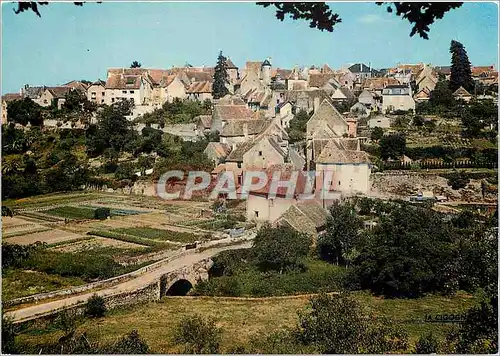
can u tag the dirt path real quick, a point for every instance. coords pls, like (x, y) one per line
(144, 280)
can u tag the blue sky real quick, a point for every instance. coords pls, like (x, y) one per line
(71, 42)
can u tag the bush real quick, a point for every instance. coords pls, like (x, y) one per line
(132, 343)
(457, 180)
(198, 335)
(96, 307)
(427, 344)
(101, 213)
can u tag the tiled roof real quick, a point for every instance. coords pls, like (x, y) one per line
(76, 84)
(320, 80)
(200, 87)
(253, 66)
(123, 81)
(328, 113)
(230, 64)
(299, 86)
(333, 154)
(443, 69)
(379, 83)
(230, 100)
(33, 92)
(59, 92)
(305, 216)
(237, 127)
(11, 97)
(233, 112)
(99, 82)
(286, 170)
(283, 73)
(360, 68)
(477, 71)
(236, 155)
(199, 76)
(221, 150)
(326, 69)
(204, 120)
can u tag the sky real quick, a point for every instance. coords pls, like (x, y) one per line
(71, 42)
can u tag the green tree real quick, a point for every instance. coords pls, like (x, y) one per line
(298, 125)
(280, 248)
(376, 134)
(95, 307)
(441, 96)
(135, 64)
(24, 111)
(342, 234)
(461, 74)
(198, 335)
(336, 324)
(392, 146)
(221, 78)
(427, 344)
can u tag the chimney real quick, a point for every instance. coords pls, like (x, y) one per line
(245, 129)
(316, 104)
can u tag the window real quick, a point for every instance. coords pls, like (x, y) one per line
(103, 93)
(339, 182)
(124, 92)
(93, 93)
(271, 202)
(102, 101)
(131, 92)
(45, 101)
(112, 100)
(256, 213)
(239, 164)
(260, 153)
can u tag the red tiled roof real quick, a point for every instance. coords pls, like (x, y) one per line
(59, 92)
(319, 80)
(11, 97)
(200, 87)
(233, 112)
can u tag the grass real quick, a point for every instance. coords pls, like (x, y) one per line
(50, 199)
(18, 283)
(158, 234)
(71, 212)
(240, 319)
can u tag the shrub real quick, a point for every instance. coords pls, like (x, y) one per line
(427, 344)
(457, 180)
(101, 213)
(132, 343)
(198, 335)
(96, 307)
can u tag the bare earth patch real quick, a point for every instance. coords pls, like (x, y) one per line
(50, 237)
(96, 242)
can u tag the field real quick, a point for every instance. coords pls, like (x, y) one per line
(140, 230)
(242, 318)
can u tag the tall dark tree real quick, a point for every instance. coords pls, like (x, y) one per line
(135, 64)
(219, 88)
(461, 74)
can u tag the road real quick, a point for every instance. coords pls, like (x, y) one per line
(38, 310)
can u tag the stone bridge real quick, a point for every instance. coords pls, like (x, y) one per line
(169, 277)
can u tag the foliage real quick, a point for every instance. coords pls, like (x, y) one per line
(461, 74)
(101, 213)
(16, 255)
(392, 146)
(297, 130)
(342, 234)
(365, 205)
(9, 345)
(336, 324)
(376, 134)
(130, 344)
(176, 112)
(6, 211)
(67, 321)
(427, 344)
(457, 180)
(198, 335)
(95, 307)
(135, 64)
(24, 111)
(280, 248)
(219, 87)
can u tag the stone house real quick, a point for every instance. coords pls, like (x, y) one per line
(350, 169)
(96, 92)
(379, 121)
(325, 123)
(172, 87)
(203, 124)
(422, 95)
(307, 216)
(426, 79)
(397, 97)
(284, 111)
(367, 98)
(200, 91)
(361, 72)
(342, 94)
(54, 94)
(34, 93)
(78, 85)
(263, 154)
(235, 132)
(297, 80)
(360, 110)
(324, 81)
(225, 111)
(133, 84)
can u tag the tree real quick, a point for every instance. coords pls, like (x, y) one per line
(342, 233)
(427, 344)
(461, 74)
(336, 324)
(135, 64)
(280, 248)
(221, 78)
(418, 121)
(392, 146)
(95, 307)
(198, 335)
(422, 14)
(24, 111)
(377, 133)
(297, 129)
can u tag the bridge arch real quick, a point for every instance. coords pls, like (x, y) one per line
(179, 287)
